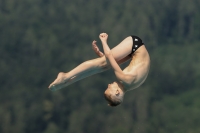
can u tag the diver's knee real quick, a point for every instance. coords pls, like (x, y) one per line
(97, 63)
(103, 63)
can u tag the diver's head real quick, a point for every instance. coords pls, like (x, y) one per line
(114, 94)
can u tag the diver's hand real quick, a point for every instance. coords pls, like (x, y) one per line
(103, 37)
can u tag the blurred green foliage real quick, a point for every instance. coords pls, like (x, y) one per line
(39, 38)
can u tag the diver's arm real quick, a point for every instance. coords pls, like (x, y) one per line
(126, 78)
(110, 59)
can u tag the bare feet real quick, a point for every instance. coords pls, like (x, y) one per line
(59, 83)
(96, 49)
(63, 80)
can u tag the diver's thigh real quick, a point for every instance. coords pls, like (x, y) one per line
(123, 49)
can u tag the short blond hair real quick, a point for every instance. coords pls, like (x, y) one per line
(114, 100)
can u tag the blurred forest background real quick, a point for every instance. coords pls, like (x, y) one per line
(39, 38)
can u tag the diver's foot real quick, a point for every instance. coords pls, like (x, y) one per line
(96, 49)
(59, 82)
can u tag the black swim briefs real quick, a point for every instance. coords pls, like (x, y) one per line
(137, 42)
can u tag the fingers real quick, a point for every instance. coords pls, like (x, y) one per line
(94, 42)
(94, 45)
(103, 35)
(96, 49)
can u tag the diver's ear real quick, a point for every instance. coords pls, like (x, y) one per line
(117, 92)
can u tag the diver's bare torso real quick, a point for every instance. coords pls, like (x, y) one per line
(131, 77)
(138, 67)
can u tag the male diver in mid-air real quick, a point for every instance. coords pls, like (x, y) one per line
(131, 48)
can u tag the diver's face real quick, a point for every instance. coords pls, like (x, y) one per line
(113, 89)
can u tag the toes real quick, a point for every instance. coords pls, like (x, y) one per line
(59, 82)
(53, 88)
(51, 85)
